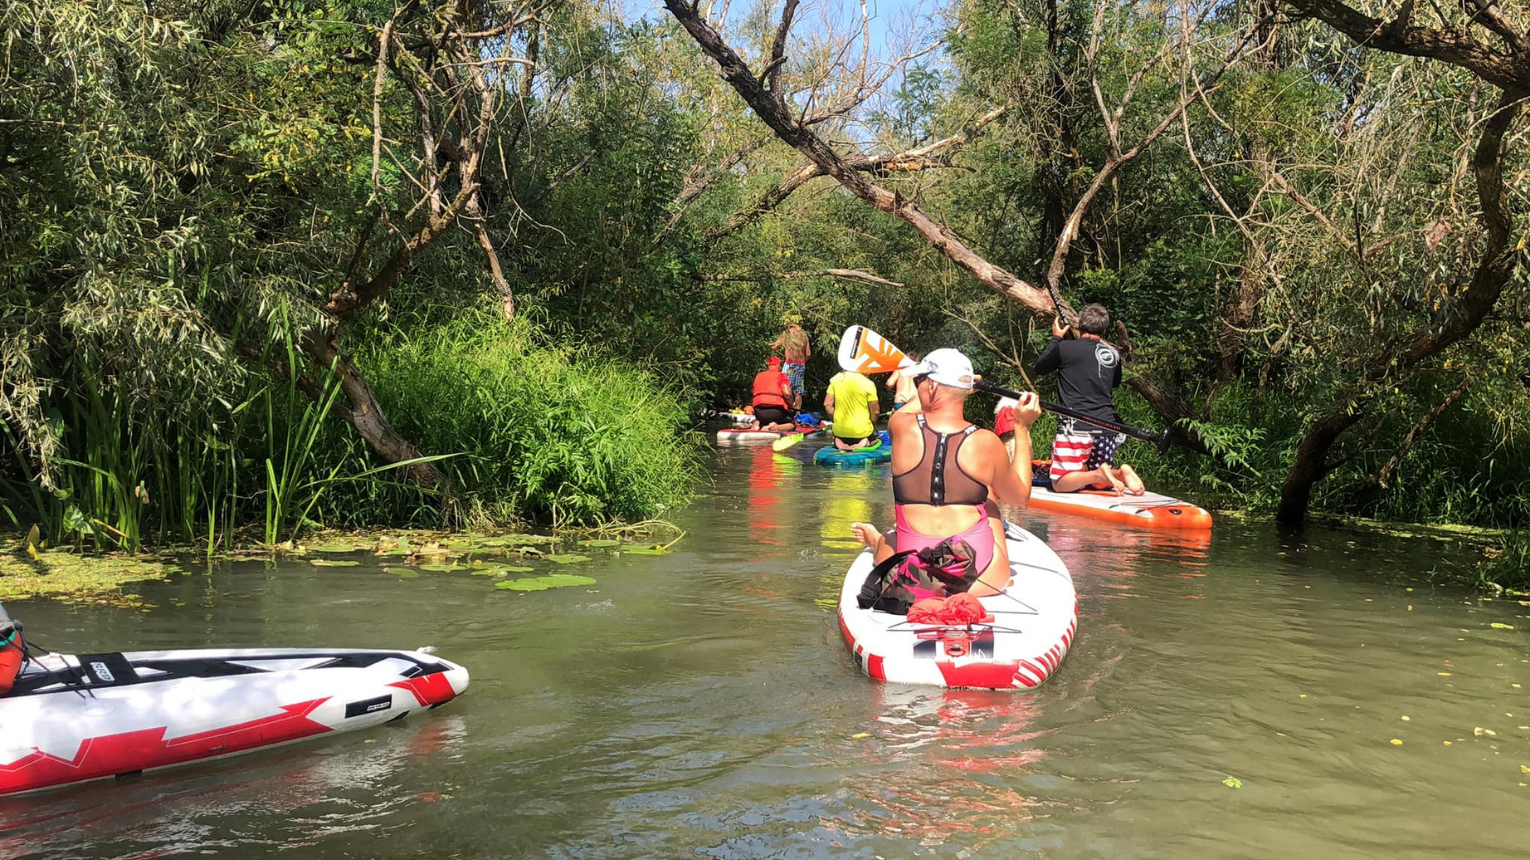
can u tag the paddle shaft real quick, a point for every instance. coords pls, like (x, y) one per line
(1057, 303)
(1159, 439)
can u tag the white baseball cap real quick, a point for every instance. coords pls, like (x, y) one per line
(946, 367)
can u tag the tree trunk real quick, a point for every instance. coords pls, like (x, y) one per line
(1384, 475)
(365, 414)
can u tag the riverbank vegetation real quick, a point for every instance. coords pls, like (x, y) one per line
(270, 266)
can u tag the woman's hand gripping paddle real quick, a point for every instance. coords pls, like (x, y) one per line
(864, 351)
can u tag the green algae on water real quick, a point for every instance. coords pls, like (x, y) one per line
(72, 576)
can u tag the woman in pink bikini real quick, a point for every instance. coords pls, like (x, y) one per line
(945, 469)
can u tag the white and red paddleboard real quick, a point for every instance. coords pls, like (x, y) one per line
(742, 436)
(1034, 623)
(75, 718)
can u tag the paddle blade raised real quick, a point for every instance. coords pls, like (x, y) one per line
(864, 351)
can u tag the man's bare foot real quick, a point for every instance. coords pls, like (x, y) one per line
(867, 534)
(1110, 480)
(1133, 482)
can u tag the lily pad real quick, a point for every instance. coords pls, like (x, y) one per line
(1499, 625)
(515, 569)
(1233, 782)
(569, 558)
(489, 571)
(401, 571)
(337, 547)
(600, 542)
(324, 562)
(542, 583)
(646, 550)
(516, 540)
(438, 568)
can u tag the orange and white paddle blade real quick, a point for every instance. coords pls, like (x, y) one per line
(864, 351)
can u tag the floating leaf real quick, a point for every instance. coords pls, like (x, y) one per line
(645, 550)
(600, 542)
(1396, 742)
(401, 571)
(542, 583)
(334, 547)
(567, 559)
(489, 571)
(1233, 782)
(1499, 625)
(516, 540)
(858, 735)
(510, 568)
(438, 568)
(324, 562)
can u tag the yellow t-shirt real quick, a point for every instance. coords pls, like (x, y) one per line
(852, 413)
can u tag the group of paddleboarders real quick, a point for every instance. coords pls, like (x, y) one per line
(778, 391)
(947, 472)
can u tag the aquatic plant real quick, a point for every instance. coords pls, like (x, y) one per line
(550, 431)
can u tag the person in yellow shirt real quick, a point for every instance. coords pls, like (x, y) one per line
(852, 402)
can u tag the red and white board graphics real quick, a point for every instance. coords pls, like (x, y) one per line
(74, 718)
(1033, 625)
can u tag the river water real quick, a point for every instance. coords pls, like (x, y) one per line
(701, 705)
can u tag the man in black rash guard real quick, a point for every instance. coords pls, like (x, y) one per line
(1088, 371)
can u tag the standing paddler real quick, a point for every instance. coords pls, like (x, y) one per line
(795, 346)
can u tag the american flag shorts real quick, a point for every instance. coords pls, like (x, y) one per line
(1073, 451)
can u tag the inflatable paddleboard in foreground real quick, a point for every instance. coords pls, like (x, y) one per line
(76, 718)
(1033, 626)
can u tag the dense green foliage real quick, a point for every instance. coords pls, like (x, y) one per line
(545, 431)
(188, 197)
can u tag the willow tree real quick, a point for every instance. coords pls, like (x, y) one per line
(216, 189)
(1481, 57)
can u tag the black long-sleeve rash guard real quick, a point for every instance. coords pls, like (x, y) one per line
(1088, 371)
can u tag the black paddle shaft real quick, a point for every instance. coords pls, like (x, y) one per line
(1159, 440)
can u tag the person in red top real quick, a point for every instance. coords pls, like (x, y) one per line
(10, 651)
(772, 398)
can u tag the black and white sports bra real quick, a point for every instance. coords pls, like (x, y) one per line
(939, 479)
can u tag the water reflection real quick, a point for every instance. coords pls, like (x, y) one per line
(302, 794)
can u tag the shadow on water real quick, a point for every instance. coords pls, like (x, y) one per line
(702, 704)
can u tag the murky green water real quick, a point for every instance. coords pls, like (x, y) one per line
(701, 705)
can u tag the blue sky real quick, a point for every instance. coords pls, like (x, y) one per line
(888, 17)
